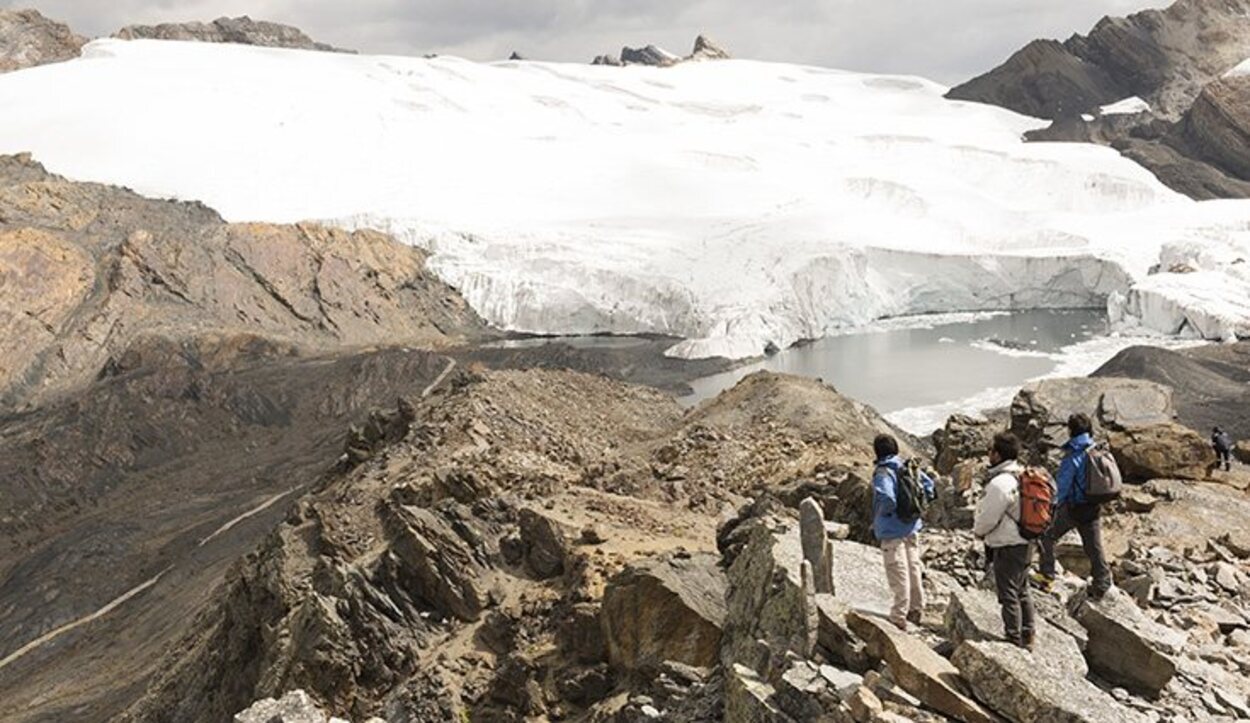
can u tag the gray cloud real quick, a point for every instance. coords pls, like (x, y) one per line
(947, 40)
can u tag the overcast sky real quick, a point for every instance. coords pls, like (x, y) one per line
(946, 40)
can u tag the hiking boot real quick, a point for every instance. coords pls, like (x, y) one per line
(1028, 640)
(1097, 593)
(1042, 582)
(913, 617)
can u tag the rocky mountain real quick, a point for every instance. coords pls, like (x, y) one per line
(241, 30)
(1190, 130)
(704, 49)
(86, 270)
(28, 39)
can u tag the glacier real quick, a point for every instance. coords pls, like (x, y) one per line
(735, 204)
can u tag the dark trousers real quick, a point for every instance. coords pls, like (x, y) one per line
(1224, 457)
(1085, 520)
(1011, 577)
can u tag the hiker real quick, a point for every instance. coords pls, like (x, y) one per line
(899, 493)
(1223, 445)
(1074, 510)
(1010, 553)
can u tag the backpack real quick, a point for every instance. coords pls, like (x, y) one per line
(1103, 481)
(1037, 502)
(909, 492)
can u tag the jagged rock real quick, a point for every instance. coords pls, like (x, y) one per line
(1028, 687)
(1161, 451)
(804, 693)
(962, 438)
(1125, 646)
(606, 60)
(705, 49)
(516, 56)
(767, 611)
(28, 39)
(834, 635)
(865, 706)
(451, 574)
(544, 543)
(748, 698)
(976, 615)
(580, 634)
(649, 55)
(919, 670)
(816, 547)
(1241, 452)
(667, 608)
(241, 30)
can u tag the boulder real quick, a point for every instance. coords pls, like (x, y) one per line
(816, 547)
(1040, 411)
(865, 705)
(666, 608)
(1125, 646)
(1161, 451)
(976, 615)
(294, 707)
(963, 438)
(580, 634)
(835, 638)
(1241, 452)
(918, 670)
(544, 543)
(859, 577)
(1027, 687)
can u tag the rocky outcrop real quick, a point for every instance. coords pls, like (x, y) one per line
(1125, 646)
(919, 670)
(545, 545)
(1040, 411)
(241, 31)
(704, 49)
(28, 39)
(86, 269)
(1216, 129)
(1163, 56)
(1025, 687)
(670, 608)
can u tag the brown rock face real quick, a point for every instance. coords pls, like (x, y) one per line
(1161, 451)
(28, 39)
(670, 608)
(85, 270)
(1217, 128)
(1126, 646)
(241, 30)
(1163, 56)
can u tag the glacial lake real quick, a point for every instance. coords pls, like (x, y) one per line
(919, 370)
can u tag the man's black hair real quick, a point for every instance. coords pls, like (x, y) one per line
(1217, 430)
(885, 446)
(1007, 445)
(1079, 424)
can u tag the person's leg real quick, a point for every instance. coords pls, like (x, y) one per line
(1090, 529)
(1008, 592)
(895, 558)
(1061, 526)
(915, 579)
(1027, 627)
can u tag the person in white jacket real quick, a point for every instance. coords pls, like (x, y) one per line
(1010, 554)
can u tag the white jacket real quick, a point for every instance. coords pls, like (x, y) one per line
(995, 520)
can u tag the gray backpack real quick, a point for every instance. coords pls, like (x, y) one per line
(1103, 482)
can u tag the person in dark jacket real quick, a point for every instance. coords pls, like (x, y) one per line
(1223, 445)
(1074, 511)
(900, 544)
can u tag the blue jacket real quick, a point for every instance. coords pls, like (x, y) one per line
(1070, 481)
(885, 524)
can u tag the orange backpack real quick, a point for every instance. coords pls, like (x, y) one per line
(1037, 502)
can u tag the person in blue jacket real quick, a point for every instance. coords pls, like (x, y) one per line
(1074, 511)
(899, 538)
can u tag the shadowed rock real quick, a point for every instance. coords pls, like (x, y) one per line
(241, 30)
(1125, 646)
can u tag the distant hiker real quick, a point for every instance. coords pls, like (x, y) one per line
(1223, 448)
(997, 525)
(900, 492)
(1075, 510)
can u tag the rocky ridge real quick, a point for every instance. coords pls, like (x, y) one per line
(242, 30)
(1191, 133)
(704, 49)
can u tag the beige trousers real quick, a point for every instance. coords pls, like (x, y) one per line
(903, 572)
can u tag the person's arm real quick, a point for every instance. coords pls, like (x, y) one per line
(883, 499)
(930, 487)
(990, 511)
(1066, 478)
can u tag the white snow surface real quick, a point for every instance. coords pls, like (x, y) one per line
(731, 203)
(1128, 106)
